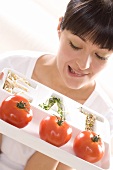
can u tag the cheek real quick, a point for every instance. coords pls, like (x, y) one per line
(62, 55)
(98, 66)
(65, 53)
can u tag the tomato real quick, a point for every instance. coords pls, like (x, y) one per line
(55, 131)
(89, 146)
(16, 110)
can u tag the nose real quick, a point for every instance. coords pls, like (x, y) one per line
(84, 62)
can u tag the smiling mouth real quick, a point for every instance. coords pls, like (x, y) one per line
(76, 73)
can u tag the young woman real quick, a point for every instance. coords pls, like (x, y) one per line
(85, 48)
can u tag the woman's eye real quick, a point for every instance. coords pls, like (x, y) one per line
(73, 46)
(101, 58)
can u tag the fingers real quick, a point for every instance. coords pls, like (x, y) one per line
(1, 75)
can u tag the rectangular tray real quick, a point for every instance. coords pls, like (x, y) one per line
(30, 136)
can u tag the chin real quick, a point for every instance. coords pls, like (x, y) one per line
(74, 87)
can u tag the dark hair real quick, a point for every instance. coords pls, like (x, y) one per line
(92, 20)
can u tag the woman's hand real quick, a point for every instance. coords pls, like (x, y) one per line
(62, 166)
(0, 141)
(39, 161)
(1, 75)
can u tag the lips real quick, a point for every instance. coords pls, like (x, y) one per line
(76, 73)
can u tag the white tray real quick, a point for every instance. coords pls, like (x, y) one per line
(30, 137)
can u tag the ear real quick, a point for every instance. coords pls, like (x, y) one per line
(59, 26)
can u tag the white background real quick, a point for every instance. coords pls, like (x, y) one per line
(30, 24)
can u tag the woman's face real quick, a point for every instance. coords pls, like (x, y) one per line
(79, 61)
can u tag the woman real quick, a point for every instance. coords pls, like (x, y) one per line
(85, 48)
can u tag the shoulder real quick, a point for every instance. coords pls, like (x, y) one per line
(19, 60)
(99, 101)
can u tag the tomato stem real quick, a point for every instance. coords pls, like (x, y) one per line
(21, 105)
(60, 120)
(95, 138)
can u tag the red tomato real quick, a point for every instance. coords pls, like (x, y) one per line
(16, 110)
(89, 146)
(55, 131)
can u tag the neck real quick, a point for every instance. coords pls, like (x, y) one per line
(79, 95)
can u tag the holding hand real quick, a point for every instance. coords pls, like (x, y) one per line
(1, 75)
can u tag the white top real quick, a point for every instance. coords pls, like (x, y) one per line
(14, 154)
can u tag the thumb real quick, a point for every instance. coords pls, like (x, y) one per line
(1, 75)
